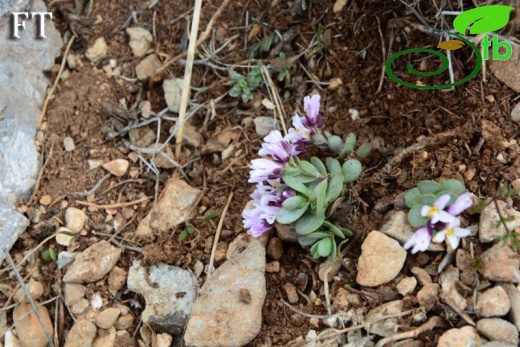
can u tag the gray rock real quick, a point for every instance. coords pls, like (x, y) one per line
(493, 303)
(228, 310)
(13, 224)
(489, 230)
(64, 259)
(68, 144)
(264, 125)
(21, 63)
(507, 70)
(93, 263)
(496, 329)
(169, 292)
(428, 296)
(98, 50)
(500, 263)
(147, 67)
(385, 327)
(381, 260)
(173, 92)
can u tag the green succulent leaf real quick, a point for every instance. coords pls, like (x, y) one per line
(318, 164)
(291, 170)
(347, 232)
(335, 188)
(49, 255)
(428, 199)
(325, 247)
(287, 216)
(337, 231)
(429, 187)
(333, 166)
(309, 223)
(364, 150)
(412, 197)
(296, 184)
(294, 202)
(309, 169)
(334, 250)
(351, 170)
(483, 19)
(319, 140)
(350, 143)
(314, 251)
(321, 197)
(335, 143)
(414, 217)
(455, 187)
(308, 240)
(305, 178)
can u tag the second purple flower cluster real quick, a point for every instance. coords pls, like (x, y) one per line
(443, 223)
(267, 172)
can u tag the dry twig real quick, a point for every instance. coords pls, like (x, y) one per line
(217, 234)
(121, 204)
(429, 325)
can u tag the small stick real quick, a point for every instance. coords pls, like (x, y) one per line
(51, 92)
(433, 322)
(187, 76)
(29, 298)
(93, 190)
(201, 39)
(40, 174)
(217, 234)
(121, 204)
(303, 313)
(383, 52)
(274, 95)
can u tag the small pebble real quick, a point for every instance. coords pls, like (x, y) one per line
(64, 259)
(117, 167)
(272, 267)
(292, 294)
(46, 200)
(68, 143)
(275, 248)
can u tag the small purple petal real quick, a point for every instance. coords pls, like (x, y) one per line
(462, 203)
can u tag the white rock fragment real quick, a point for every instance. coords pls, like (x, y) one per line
(94, 163)
(493, 303)
(82, 333)
(173, 93)
(406, 285)
(117, 167)
(74, 219)
(140, 40)
(96, 302)
(339, 5)
(97, 51)
(381, 260)
(515, 113)
(93, 263)
(490, 228)
(147, 67)
(63, 238)
(264, 125)
(68, 144)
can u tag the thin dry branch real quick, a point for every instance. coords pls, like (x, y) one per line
(217, 234)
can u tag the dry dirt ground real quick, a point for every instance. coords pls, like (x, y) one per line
(391, 118)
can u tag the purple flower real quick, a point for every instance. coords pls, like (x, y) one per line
(311, 106)
(452, 233)
(462, 203)
(263, 169)
(275, 146)
(299, 132)
(266, 203)
(420, 240)
(436, 212)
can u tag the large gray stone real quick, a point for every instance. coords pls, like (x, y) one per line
(12, 224)
(169, 292)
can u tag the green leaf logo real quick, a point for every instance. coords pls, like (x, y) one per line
(482, 19)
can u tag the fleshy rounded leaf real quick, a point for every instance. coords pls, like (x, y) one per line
(287, 216)
(309, 223)
(335, 143)
(321, 197)
(319, 139)
(296, 184)
(428, 199)
(455, 187)
(325, 247)
(337, 231)
(412, 197)
(294, 202)
(364, 150)
(335, 188)
(309, 169)
(318, 164)
(429, 187)
(351, 170)
(482, 19)
(308, 240)
(333, 166)
(414, 217)
(350, 143)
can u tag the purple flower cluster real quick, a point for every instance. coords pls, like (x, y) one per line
(443, 223)
(267, 171)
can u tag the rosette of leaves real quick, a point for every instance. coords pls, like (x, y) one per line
(244, 87)
(342, 148)
(317, 186)
(426, 193)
